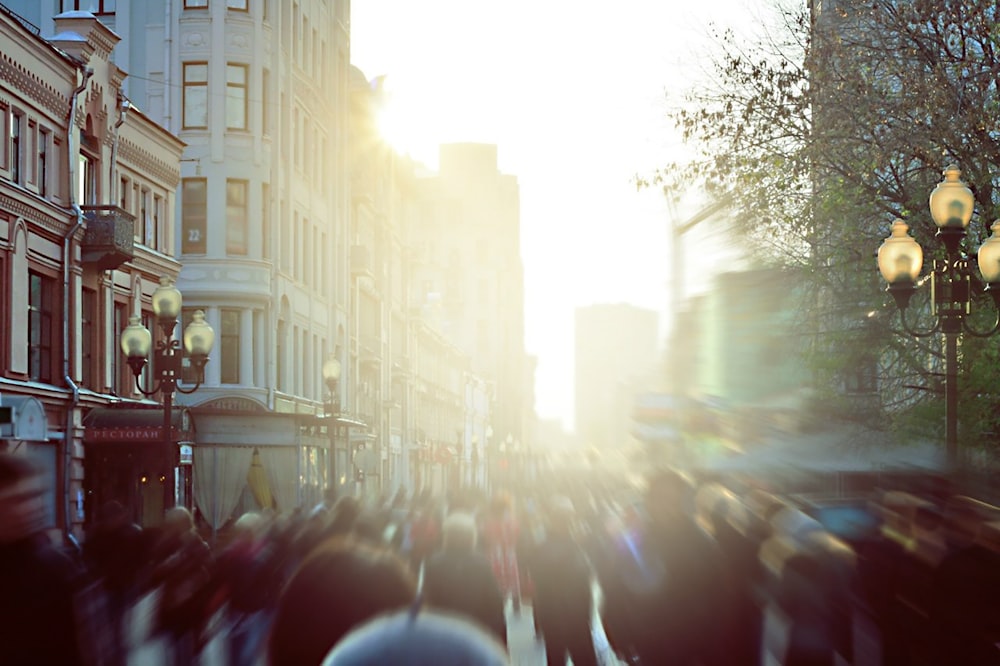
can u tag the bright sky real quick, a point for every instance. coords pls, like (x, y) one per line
(574, 94)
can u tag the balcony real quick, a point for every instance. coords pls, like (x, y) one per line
(109, 240)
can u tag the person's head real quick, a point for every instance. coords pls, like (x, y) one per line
(667, 497)
(22, 511)
(178, 521)
(249, 526)
(425, 638)
(459, 532)
(340, 585)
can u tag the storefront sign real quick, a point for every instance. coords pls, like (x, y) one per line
(125, 434)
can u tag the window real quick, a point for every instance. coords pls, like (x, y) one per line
(236, 217)
(88, 312)
(4, 144)
(43, 164)
(123, 190)
(238, 5)
(153, 232)
(41, 310)
(265, 220)
(188, 374)
(87, 180)
(194, 202)
(97, 7)
(120, 372)
(148, 378)
(15, 148)
(195, 96)
(229, 338)
(144, 221)
(195, 4)
(236, 97)
(265, 111)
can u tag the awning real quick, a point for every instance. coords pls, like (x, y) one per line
(136, 424)
(23, 417)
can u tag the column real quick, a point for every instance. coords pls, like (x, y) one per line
(247, 356)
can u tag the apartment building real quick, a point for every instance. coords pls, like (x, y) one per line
(87, 195)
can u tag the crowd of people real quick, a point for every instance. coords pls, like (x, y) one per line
(692, 573)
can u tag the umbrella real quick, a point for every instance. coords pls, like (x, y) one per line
(259, 485)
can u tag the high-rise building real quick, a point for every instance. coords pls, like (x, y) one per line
(468, 277)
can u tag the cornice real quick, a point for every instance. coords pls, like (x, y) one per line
(103, 44)
(33, 86)
(154, 263)
(34, 213)
(147, 162)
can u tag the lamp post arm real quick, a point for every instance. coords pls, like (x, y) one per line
(917, 333)
(982, 334)
(156, 388)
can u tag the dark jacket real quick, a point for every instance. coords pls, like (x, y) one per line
(562, 576)
(37, 592)
(463, 582)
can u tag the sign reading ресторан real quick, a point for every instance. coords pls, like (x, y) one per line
(125, 434)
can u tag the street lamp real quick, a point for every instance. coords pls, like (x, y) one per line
(137, 342)
(952, 282)
(331, 376)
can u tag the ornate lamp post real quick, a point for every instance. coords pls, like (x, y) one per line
(137, 343)
(952, 279)
(331, 377)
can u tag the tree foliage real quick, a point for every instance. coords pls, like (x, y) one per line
(826, 129)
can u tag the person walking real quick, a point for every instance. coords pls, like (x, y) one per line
(38, 582)
(563, 602)
(459, 579)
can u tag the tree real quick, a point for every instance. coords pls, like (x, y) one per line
(824, 131)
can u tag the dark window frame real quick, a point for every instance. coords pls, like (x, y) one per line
(237, 216)
(188, 86)
(229, 345)
(43, 314)
(238, 92)
(196, 243)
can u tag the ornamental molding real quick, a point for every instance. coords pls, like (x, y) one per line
(22, 80)
(102, 44)
(147, 162)
(33, 214)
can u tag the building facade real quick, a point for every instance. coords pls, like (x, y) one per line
(242, 157)
(468, 277)
(87, 195)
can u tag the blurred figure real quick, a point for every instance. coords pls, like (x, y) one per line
(424, 534)
(563, 600)
(418, 639)
(184, 570)
(37, 582)
(501, 534)
(672, 578)
(343, 516)
(113, 555)
(964, 610)
(340, 585)
(460, 580)
(249, 574)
